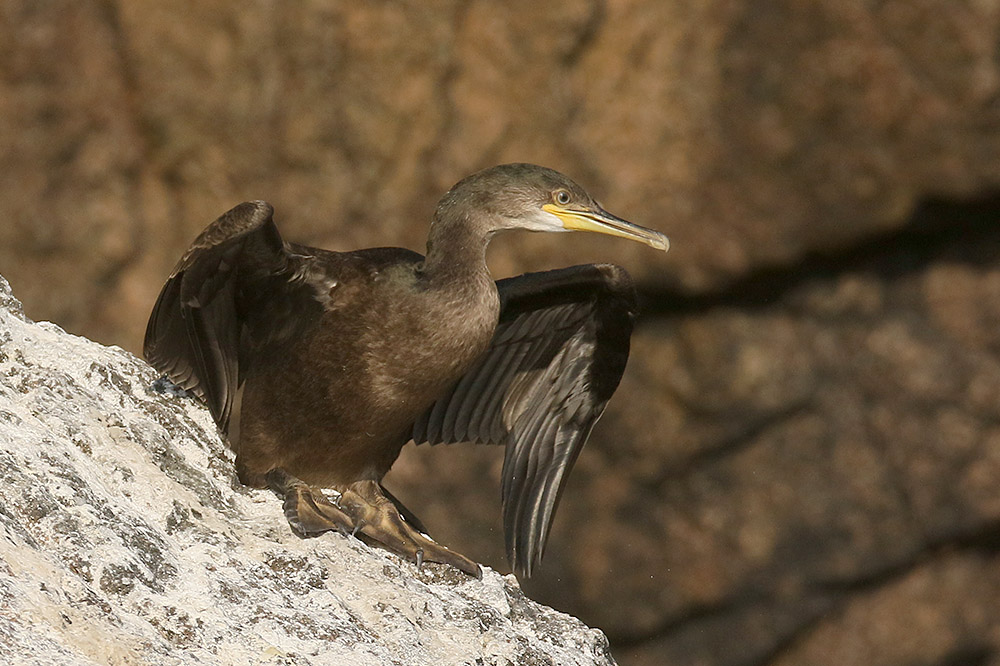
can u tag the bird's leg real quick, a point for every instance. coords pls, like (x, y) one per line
(404, 513)
(362, 509)
(379, 520)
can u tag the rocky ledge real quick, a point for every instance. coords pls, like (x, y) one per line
(127, 539)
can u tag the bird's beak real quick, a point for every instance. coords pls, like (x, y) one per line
(603, 222)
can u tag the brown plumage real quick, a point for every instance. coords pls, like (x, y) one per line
(319, 366)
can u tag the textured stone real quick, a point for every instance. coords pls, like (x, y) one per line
(128, 540)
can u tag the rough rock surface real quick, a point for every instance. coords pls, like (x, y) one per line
(801, 463)
(127, 540)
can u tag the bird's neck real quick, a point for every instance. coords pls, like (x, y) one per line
(456, 254)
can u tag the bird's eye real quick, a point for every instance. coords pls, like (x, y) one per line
(562, 197)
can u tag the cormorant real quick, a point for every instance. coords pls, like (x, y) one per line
(319, 366)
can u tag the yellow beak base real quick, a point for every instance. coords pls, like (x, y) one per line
(603, 222)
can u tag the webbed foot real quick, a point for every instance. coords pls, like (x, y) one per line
(307, 509)
(362, 509)
(381, 522)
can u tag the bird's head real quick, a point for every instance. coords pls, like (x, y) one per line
(531, 197)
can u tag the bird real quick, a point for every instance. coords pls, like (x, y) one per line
(319, 366)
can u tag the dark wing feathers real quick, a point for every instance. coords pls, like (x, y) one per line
(556, 357)
(194, 333)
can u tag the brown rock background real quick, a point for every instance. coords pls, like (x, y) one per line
(803, 463)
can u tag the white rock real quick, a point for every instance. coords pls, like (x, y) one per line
(126, 539)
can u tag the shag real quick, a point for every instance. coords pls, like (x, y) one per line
(319, 366)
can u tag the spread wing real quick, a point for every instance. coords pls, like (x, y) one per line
(556, 357)
(198, 331)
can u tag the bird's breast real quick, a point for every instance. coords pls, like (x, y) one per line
(435, 340)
